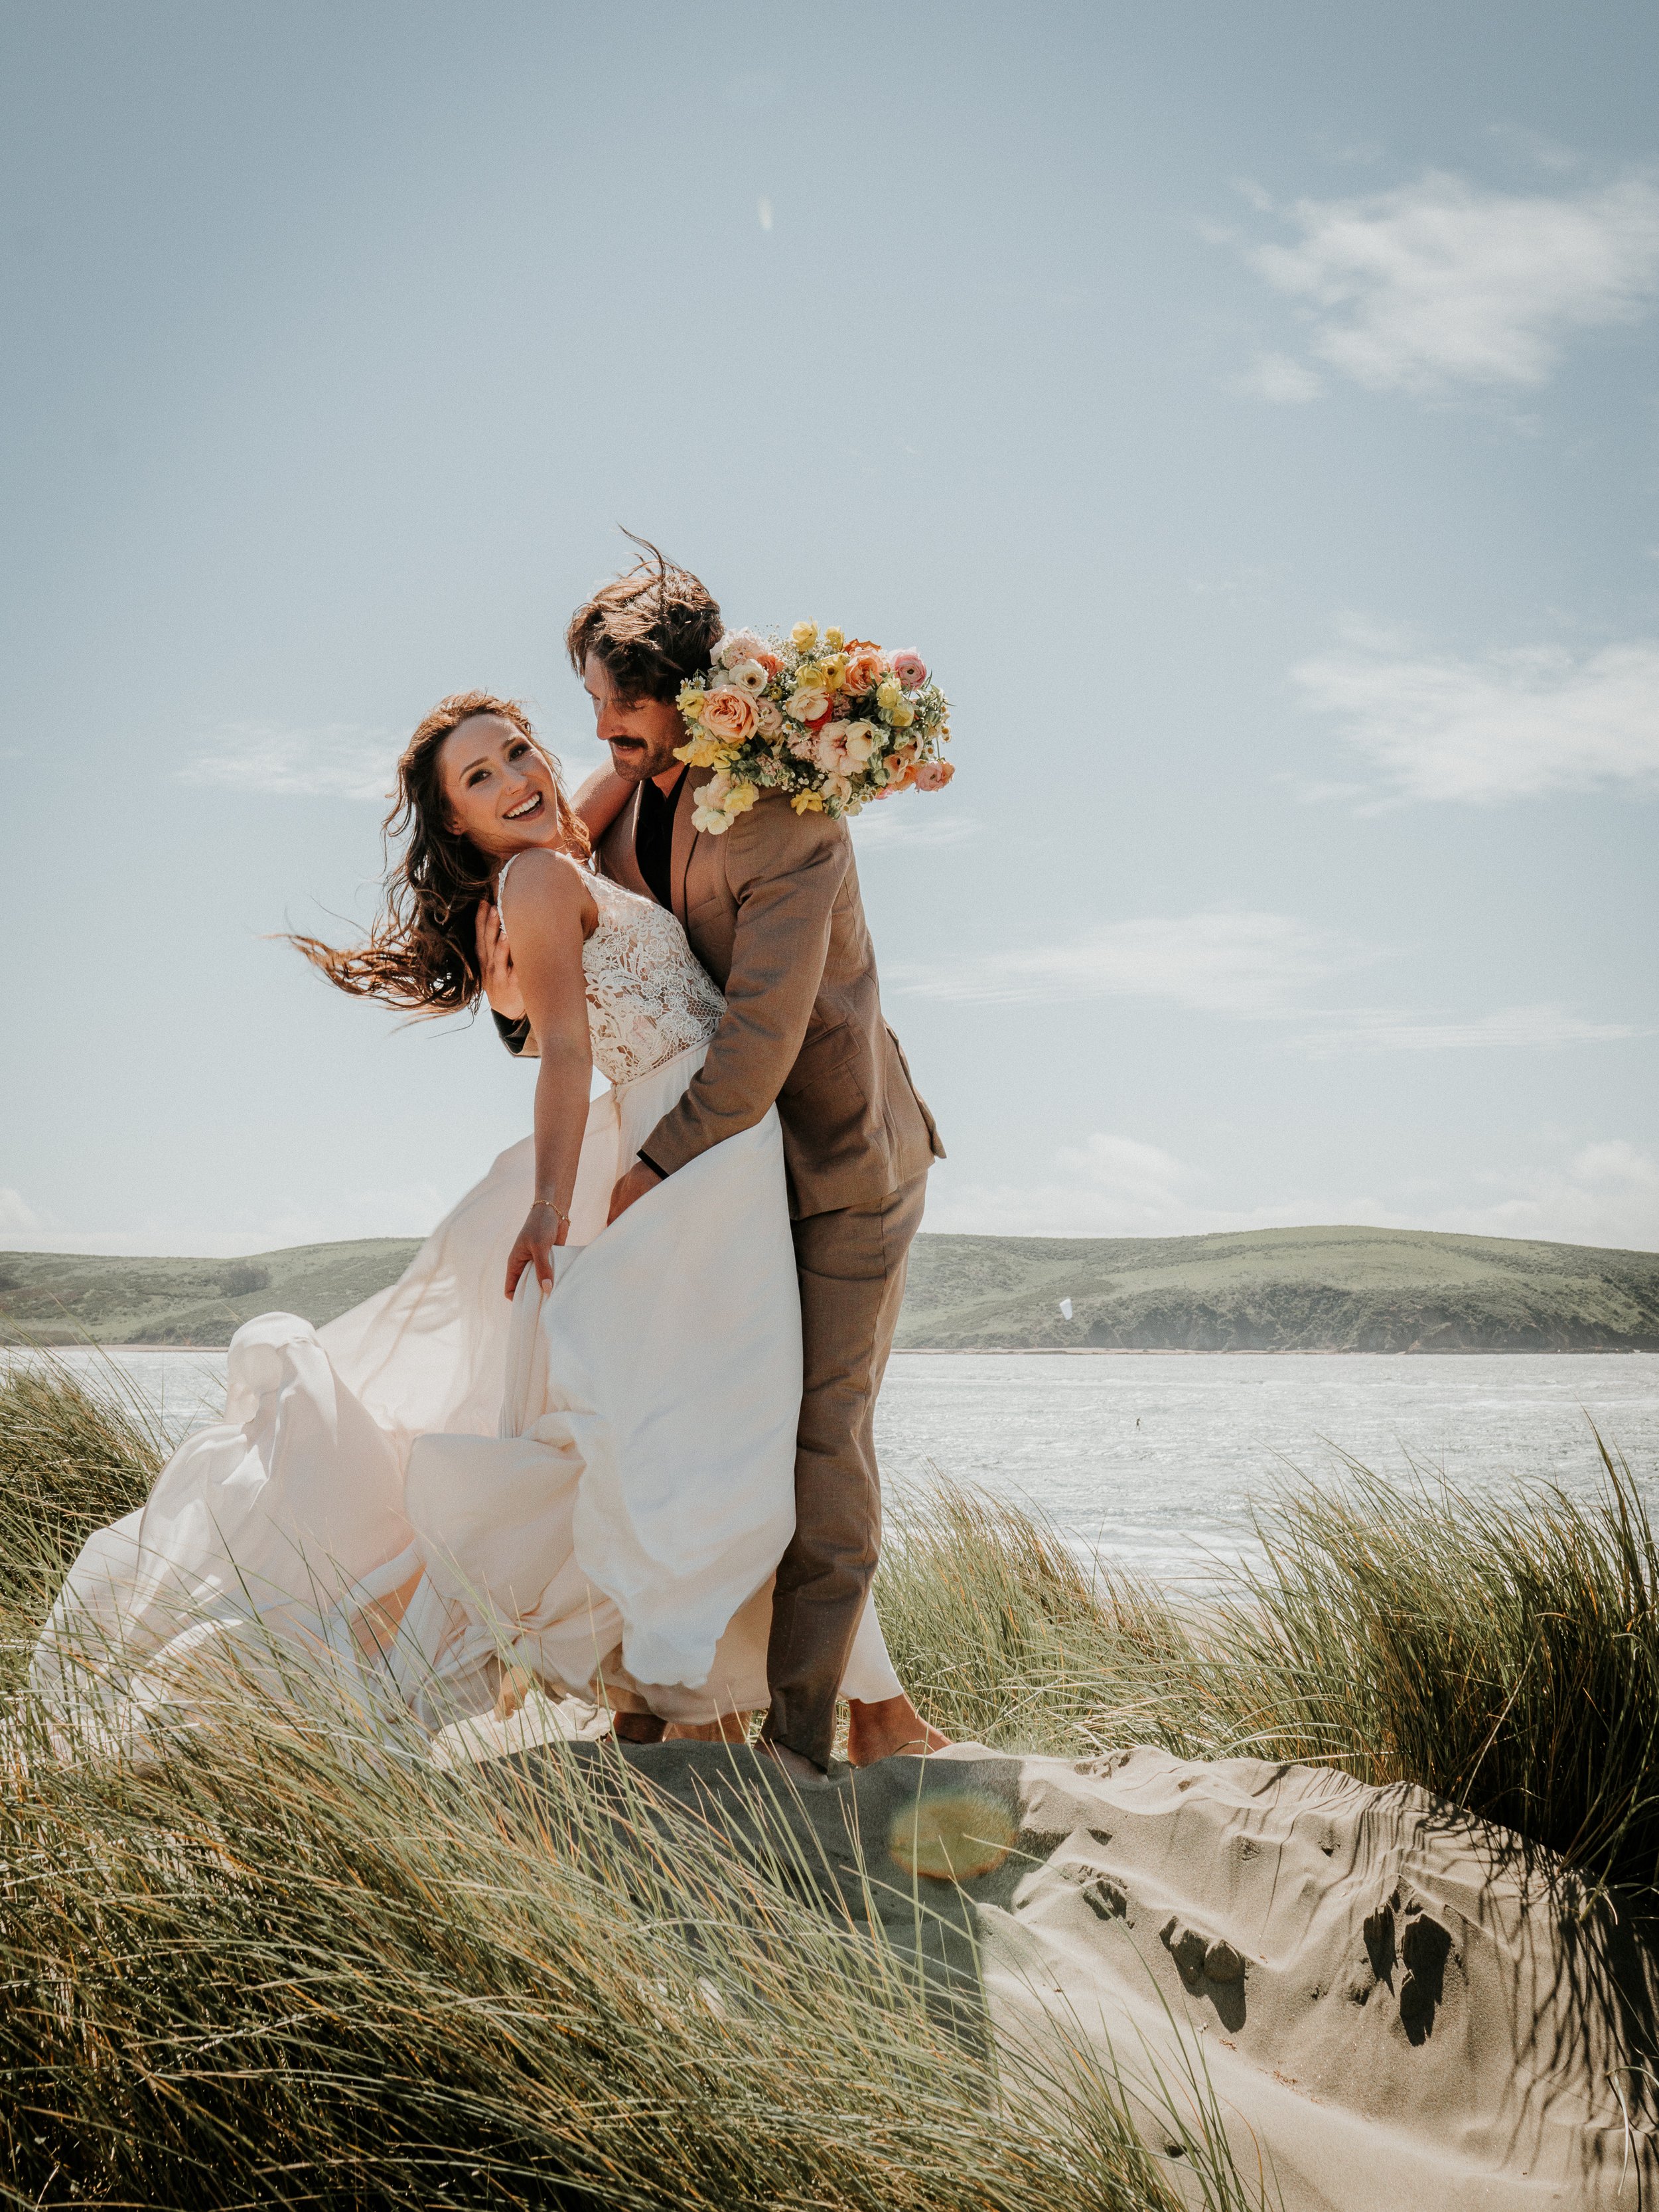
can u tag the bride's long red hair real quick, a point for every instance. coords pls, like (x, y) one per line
(421, 952)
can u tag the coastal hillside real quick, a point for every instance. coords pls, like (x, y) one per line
(1278, 1290)
(56, 1298)
(1268, 1290)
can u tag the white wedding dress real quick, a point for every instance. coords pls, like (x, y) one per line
(594, 1484)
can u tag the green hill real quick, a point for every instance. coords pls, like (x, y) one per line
(56, 1298)
(1280, 1289)
(1269, 1290)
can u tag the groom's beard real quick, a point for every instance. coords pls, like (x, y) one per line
(636, 759)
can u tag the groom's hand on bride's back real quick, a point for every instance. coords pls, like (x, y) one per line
(640, 1178)
(500, 984)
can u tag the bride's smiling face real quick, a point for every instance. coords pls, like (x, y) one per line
(499, 789)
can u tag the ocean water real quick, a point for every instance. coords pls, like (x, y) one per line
(1155, 1459)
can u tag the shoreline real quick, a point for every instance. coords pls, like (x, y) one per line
(1064, 1351)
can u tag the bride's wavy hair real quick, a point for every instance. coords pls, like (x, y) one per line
(422, 952)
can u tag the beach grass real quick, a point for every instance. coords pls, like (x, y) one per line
(298, 1965)
(294, 1963)
(1503, 1654)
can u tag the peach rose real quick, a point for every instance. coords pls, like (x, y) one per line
(933, 775)
(728, 715)
(910, 669)
(865, 669)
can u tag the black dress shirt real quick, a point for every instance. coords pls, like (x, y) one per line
(654, 837)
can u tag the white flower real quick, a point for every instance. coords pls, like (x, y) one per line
(748, 675)
(806, 706)
(860, 741)
(838, 786)
(711, 820)
(768, 720)
(738, 644)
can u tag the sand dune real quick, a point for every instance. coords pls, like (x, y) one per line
(1393, 2004)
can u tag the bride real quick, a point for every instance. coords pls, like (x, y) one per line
(560, 1450)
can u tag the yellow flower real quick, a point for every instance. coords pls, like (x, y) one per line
(903, 715)
(889, 692)
(804, 636)
(808, 802)
(741, 798)
(835, 671)
(809, 677)
(834, 639)
(689, 702)
(700, 752)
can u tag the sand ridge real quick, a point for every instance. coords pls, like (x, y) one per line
(1393, 2003)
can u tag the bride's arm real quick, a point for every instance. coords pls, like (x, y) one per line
(553, 911)
(600, 799)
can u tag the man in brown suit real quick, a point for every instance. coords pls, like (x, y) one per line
(772, 910)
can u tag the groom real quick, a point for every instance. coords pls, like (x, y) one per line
(772, 910)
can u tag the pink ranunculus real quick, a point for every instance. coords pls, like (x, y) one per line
(728, 715)
(910, 669)
(933, 775)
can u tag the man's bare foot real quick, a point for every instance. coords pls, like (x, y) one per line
(730, 1728)
(636, 1728)
(890, 1725)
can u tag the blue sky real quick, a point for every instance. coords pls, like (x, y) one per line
(1249, 411)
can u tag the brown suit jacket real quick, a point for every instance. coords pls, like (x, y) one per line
(773, 911)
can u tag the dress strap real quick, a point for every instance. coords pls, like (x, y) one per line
(500, 886)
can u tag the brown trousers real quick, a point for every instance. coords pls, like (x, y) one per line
(852, 1265)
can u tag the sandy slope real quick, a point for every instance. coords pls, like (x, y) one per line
(1394, 2008)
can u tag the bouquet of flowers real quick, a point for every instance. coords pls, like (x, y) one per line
(832, 721)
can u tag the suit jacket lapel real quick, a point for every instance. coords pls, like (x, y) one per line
(685, 838)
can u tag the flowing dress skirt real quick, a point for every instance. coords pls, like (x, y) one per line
(594, 1483)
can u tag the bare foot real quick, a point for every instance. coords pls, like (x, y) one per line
(730, 1728)
(636, 1728)
(890, 1725)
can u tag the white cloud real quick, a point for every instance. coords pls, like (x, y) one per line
(336, 760)
(1513, 725)
(1236, 963)
(1535, 1028)
(1275, 376)
(408, 1211)
(1602, 1194)
(878, 828)
(1605, 1193)
(1439, 283)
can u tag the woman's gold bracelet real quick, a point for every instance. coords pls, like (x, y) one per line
(559, 1213)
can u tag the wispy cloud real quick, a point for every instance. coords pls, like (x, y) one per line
(1605, 1194)
(1439, 284)
(1514, 724)
(1277, 377)
(1251, 964)
(332, 760)
(1523, 1028)
(1250, 967)
(878, 828)
(408, 1211)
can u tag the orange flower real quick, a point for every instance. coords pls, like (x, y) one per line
(866, 666)
(728, 715)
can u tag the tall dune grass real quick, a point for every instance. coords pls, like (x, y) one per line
(293, 1964)
(1503, 1655)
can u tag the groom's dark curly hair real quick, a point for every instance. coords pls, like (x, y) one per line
(653, 628)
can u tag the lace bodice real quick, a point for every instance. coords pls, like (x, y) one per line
(648, 996)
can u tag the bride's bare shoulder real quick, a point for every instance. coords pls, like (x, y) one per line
(540, 884)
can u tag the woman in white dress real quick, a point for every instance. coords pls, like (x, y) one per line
(559, 1448)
